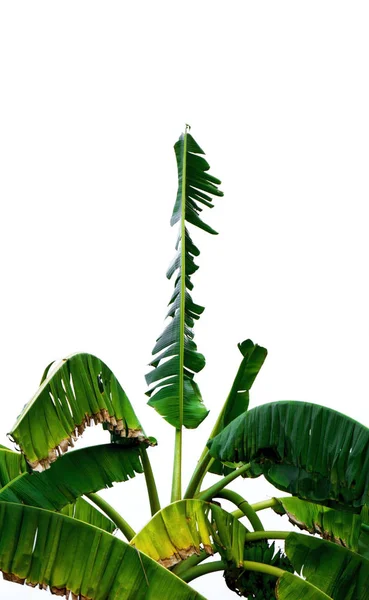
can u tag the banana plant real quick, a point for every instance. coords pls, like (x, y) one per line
(58, 533)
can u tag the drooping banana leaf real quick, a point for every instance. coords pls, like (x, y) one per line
(54, 551)
(62, 483)
(336, 571)
(187, 527)
(78, 391)
(238, 398)
(290, 587)
(84, 511)
(310, 451)
(12, 464)
(338, 526)
(173, 391)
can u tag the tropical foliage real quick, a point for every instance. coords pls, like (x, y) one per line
(58, 533)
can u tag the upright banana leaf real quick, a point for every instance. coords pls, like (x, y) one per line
(79, 391)
(12, 464)
(62, 483)
(38, 547)
(173, 391)
(238, 398)
(310, 451)
(347, 529)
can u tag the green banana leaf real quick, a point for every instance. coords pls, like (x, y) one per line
(188, 527)
(54, 551)
(12, 464)
(336, 571)
(84, 511)
(62, 483)
(338, 526)
(173, 391)
(310, 451)
(79, 391)
(239, 396)
(290, 587)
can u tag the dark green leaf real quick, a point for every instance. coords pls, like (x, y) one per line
(12, 464)
(310, 451)
(187, 408)
(62, 483)
(336, 571)
(238, 398)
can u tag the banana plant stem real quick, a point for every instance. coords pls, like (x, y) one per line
(150, 482)
(204, 461)
(266, 535)
(217, 487)
(238, 514)
(219, 565)
(194, 572)
(198, 475)
(177, 466)
(126, 529)
(244, 506)
(190, 562)
(250, 565)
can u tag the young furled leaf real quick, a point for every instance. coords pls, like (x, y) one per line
(173, 391)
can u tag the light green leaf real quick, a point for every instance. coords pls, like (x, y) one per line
(187, 527)
(39, 547)
(78, 391)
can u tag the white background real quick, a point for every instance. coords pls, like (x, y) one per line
(93, 96)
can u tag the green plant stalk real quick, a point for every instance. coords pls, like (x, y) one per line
(177, 463)
(238, 514)
(150, 482)
(244, 507)
(194, 572)
(190, 562)
(219, 565)
(205, 459)
(198, 475)
(266, 535)
(217, 487)
(250, 565)
(121, 523)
